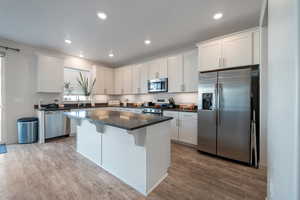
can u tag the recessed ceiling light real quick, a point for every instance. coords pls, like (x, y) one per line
(111, 54)
(102, 15)
(218, 16)
(68, 41)
(81, 55)
(147, 42)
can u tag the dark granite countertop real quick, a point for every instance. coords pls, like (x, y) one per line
(103, 105)
(125, 120)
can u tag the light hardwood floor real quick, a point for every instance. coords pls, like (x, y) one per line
(55, 171)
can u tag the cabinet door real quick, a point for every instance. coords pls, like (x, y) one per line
(144, 78)
(190, 71)
(256, 47)
(158, 69)
(108, 81)
(127, 80)
(163, 68)
(188, 128)
(210, 54)
(50, 74)
(136, 79)
(153, 70)
(100, 80)
(118, 81)
(237, 50)
(174, 124)
(175, 75)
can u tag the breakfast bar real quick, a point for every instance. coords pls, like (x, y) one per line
(133, 147)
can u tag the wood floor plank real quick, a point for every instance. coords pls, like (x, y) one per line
(56, 171)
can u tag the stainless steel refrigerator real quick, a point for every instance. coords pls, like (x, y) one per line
(228, 114)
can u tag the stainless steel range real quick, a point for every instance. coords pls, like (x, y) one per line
(157, 111)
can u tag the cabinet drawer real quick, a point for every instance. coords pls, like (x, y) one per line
(188, 115)
(171, 114)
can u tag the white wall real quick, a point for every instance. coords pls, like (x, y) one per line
(20, 84)
(283, 100)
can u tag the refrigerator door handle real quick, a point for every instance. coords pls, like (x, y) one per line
(216, 97)
(219, 102)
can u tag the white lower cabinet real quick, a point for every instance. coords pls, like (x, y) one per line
(183, 126)
(188, 127)
(174, 123)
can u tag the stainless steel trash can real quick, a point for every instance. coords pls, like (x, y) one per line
(27, 130)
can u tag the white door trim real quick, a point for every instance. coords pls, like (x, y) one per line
(3, 134)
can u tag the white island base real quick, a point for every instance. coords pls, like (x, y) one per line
(140, 158)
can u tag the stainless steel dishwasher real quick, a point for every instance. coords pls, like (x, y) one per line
(55, 124)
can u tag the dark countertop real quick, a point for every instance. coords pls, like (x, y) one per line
(103, 105)
(125, 120)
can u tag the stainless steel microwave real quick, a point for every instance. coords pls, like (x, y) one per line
(158, 85)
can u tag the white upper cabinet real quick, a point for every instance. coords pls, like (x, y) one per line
(158, 68)
(139, 79)
(108, 81)
(50, 74)
(104, 81)
(136, 79)
(190, 71)
(183, 72)
(175, 73)
(127, 80)
(210, 54)
(118, 81)
(143, 78)
(99, 85)
(236, 50)
(123, 80)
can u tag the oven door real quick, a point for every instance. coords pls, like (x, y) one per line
(158, 85)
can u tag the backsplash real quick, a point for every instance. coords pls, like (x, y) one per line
(180, 98)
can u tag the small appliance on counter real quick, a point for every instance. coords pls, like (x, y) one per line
(149, 104)
(161, 102)
(172, 102)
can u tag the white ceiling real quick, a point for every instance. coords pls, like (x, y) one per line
(170, 24)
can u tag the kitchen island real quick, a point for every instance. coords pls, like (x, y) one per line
(133, 147)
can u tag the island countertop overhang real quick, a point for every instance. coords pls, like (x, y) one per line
(124, 120)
